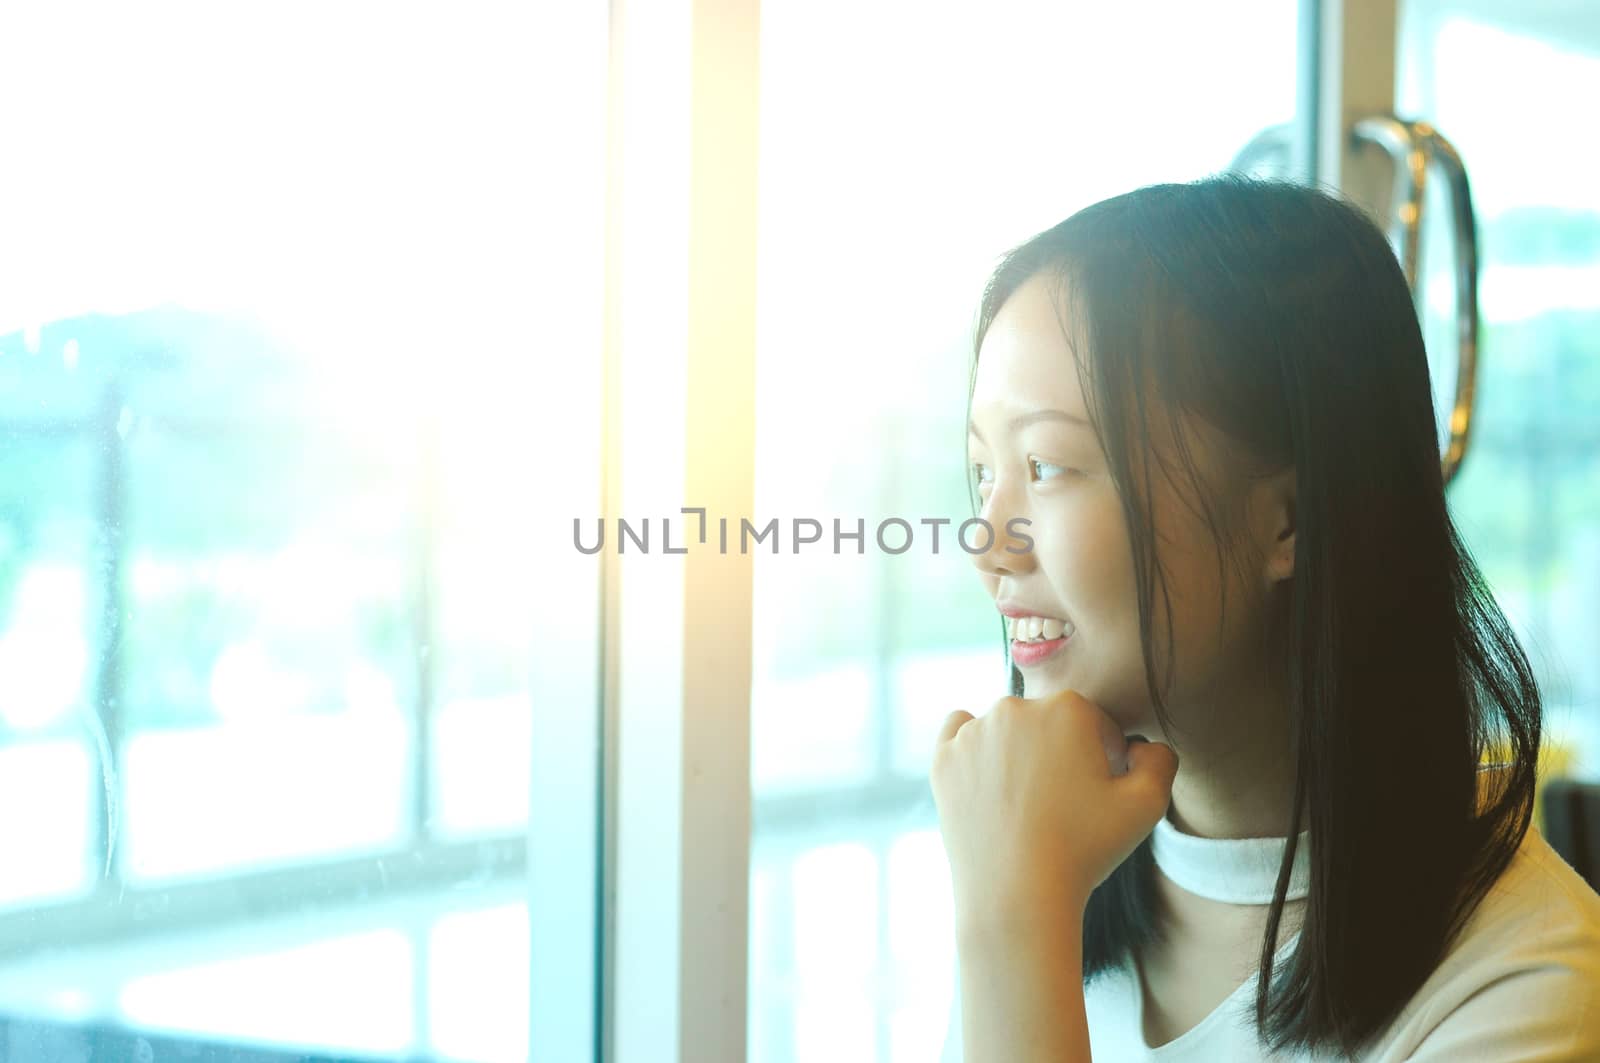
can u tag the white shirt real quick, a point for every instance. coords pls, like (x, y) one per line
(1521, 982)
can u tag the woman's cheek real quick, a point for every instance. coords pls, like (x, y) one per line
(1095, 581)
(1092, 560)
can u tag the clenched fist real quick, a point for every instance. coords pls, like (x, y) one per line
(1039, 800)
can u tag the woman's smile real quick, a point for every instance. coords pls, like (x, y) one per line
(1031, 652)
(1033, 636)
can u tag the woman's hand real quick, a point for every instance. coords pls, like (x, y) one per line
(1039, 801)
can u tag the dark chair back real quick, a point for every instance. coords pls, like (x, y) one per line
(1572, 825)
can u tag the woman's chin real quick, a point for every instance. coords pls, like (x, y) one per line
(1133, 719)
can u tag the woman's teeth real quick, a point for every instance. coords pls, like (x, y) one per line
(1037, 628)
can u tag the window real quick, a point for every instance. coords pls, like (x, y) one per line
(275, 635)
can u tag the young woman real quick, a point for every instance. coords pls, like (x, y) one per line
(1210, 407)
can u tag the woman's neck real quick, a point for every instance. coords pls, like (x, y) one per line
(1224, 799)
(1236, 768)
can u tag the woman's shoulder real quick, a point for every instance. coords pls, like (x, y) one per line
(1522, 979)
(1539, 910)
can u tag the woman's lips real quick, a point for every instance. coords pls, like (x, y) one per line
(1028, 654)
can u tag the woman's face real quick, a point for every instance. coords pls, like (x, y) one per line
(1036, 457)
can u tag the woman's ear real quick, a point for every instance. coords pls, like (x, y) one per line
(1279, 526)
(1276, 525)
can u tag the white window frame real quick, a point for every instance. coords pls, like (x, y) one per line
(679, 431)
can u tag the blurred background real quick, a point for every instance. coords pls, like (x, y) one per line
(278, 338)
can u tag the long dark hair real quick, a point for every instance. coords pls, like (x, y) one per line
(1278, 314)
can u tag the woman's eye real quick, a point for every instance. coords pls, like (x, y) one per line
(1039, 468)
(981, 474)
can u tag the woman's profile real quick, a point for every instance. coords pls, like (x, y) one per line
(1211, 405)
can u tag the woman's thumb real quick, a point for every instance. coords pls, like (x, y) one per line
(1153, 764)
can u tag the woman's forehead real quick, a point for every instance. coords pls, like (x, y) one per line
(1026, 361)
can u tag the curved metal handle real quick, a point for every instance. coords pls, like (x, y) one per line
(1465, 231)
(1414, 147)
(1408, 146)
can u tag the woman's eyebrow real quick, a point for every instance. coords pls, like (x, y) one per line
(1022, 420)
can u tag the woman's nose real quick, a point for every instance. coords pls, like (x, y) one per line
(1007, 553)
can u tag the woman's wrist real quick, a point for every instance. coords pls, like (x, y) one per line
(1020, 916)
(1022, 981)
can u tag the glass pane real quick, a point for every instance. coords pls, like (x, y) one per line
(487, 593)
(1528, 495)
(233, 680)
(50, 768)
(271, 343)
(938, 139)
